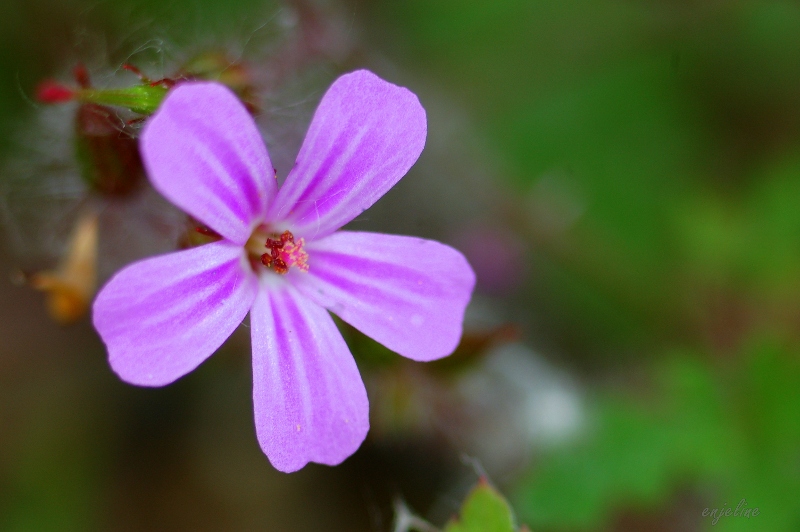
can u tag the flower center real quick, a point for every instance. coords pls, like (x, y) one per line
(282, 253)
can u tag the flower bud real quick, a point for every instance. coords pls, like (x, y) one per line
(106, 150)
(50, 91)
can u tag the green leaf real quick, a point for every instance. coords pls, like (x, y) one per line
(484, 510)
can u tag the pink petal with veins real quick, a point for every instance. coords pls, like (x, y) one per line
(203, 152)
(365, 135)
(163, 316)
(407, 293)
(310, 403)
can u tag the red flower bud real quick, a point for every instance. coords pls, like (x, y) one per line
(50, 91)
(107, 150)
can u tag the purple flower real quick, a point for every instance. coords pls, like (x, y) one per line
(280, 259)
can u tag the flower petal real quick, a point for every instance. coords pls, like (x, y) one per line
(365, 135)
(310, 403)
(203, 152)
(407, 293)
(161, 317)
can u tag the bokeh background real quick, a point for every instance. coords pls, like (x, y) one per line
(624, 176)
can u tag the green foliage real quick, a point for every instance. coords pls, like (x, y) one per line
(731, 432)
(484, 510)
(184, 20)
(676, 129)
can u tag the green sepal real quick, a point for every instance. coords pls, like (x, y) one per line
(141, 99)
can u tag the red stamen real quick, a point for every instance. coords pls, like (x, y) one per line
(274, 244)
(280, 266)
(50, 91)
(284, 253)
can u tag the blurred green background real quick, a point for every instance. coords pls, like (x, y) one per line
(624, 177)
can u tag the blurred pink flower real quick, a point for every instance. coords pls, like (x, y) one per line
(280, 258)
(496, 255)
